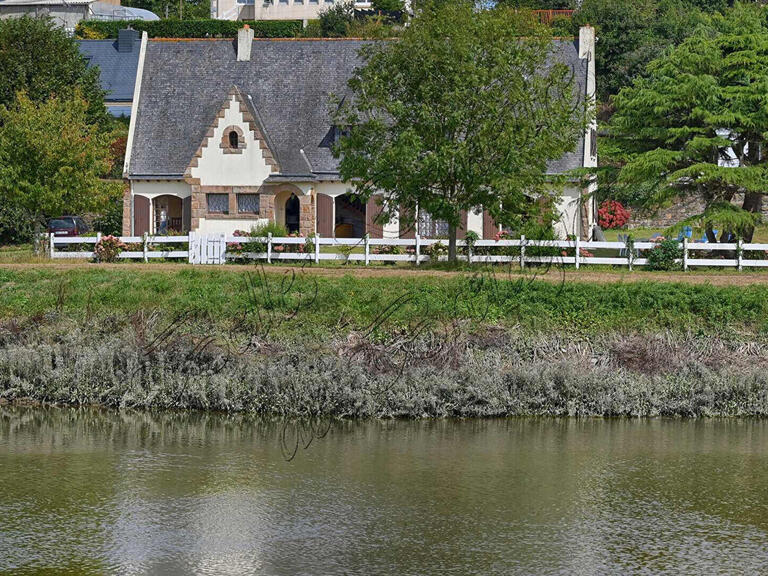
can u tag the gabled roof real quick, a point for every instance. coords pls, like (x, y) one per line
(117, 69)
(286, 82)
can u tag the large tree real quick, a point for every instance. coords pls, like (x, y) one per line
(463, 111)
(51, 160)
(40, 59)
(698, 123)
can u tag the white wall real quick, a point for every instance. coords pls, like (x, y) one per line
(569, 209)
(475, 222)
(248, 168)
(154, 188)
(228, 226)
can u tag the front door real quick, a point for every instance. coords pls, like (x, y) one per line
(292, 211)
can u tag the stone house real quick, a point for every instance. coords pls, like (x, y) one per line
(226, 136)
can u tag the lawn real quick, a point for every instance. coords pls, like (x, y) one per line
(332, 303)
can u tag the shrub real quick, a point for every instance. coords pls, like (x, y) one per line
(190, 28)
(436, 250)
(388, 5)
(335, 21)
(612, 214)
(108, 249)
(665, 256)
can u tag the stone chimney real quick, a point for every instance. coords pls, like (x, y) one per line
(244, 43)
(586, 42)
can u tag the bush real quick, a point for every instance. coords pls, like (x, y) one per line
(612, 214)
(108, 249)
(335, 21)
(388, 5)
(190, 28)
(665, 256)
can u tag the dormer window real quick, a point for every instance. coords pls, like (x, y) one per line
(233, 140)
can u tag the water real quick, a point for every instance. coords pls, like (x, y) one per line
(89, 491)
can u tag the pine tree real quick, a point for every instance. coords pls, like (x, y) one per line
(697, 124)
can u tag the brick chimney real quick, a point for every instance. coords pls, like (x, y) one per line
(244, 43)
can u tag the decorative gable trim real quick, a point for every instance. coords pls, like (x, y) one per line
(250, 117)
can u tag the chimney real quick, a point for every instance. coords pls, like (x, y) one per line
(244, 43)
(586, 42)
(126, 38)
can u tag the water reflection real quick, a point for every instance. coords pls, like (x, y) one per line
(133, 493)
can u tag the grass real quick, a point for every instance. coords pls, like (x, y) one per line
(316, 304)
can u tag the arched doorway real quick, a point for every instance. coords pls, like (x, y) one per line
(292, 214)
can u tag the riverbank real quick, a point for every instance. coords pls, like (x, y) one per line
(305, 345)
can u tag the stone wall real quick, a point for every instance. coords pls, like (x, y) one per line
(680, 210)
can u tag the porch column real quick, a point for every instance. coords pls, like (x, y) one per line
(306, 215)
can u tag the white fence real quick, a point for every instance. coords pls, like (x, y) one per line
(218, 249)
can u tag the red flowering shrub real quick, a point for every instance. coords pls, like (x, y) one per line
(612, 214)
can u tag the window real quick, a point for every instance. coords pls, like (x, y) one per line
(218, 203)
(430, 227)
(233, 139)
(247, 203)
(245, 1)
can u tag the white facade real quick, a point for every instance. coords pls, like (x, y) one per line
(273, 9)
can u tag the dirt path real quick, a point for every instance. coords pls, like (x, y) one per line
(719, 278)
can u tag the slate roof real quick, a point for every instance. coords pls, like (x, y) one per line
(117, 69)
(287, 82)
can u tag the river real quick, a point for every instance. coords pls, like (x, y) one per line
(93, 491)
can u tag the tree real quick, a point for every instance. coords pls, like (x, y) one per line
(51, 160)
(697, 124)
(631, 33)
(39, 58)
(335, 21)
(460, 112)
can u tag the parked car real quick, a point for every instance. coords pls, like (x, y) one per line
(67, 226)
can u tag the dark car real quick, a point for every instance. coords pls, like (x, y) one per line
(67, 226)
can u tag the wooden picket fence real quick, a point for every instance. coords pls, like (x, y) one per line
(219, 249)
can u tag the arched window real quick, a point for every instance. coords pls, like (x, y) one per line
(234, 139)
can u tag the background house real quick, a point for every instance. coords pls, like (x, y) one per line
(65, 13)
(273, 9)
(226, 136)
(118, 61)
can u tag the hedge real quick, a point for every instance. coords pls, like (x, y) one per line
(190, 28)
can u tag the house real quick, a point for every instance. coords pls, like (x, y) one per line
(273, 9)
(118, 61)
(64, 13)
(225, 136)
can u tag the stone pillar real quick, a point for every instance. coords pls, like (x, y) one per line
(197, 203)
(127, 210)
(307, 215)
(267, 206)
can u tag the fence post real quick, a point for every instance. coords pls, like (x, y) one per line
(367, 248)
(578, 251)
(191, 247)
(418, 248)
(469, 253)
(739, 254)
(317, 248)
(685, 253)
(146, 248)
(51, 247)
(269, 247)
(522, 251)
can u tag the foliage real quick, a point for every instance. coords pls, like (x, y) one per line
(431, 123)
(665, 256)
(335, 21)
(190, 28)
(632, 33)
(277, 230)
(697, 123)
(18, 225)
(436, 250)
(51, 158)
(471, 238)
(612, 214)
(40, 59)
(388, 5)
(108, 249)
(732, 221)
(110, 221)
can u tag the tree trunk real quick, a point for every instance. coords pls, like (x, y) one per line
(451, 243)
(753, 202)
